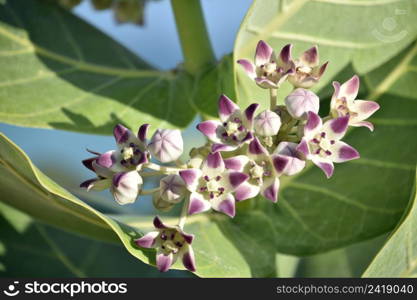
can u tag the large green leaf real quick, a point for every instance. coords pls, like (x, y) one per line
(398, 257)
(222, 249)
(32, 249)
(366, 197)
(60, 72)
(365, 33)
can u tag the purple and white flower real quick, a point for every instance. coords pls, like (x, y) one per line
(267, 72)
(171, 243)
(300, 102)
(125, 185)
(166, 145)
(212, 186)
(305, 70)
(132, 148)
(343, 103)
(263, 172)
(233, 129)
(321, 142)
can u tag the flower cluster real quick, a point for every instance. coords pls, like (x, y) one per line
(246, 154)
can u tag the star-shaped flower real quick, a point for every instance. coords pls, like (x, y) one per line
(343, 103)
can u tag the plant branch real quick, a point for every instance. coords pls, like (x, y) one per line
(195, 42)
(184, 213)
(273, 93)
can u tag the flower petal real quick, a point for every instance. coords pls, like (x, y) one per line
(314, 123)
(157, 223)
(188, 259)
(217, 147)
(335, 129)
(263, 53)
(191, 177)
(236, 163)
(248, 67)
(250, 111)
(369, 125)
(364, 109)
(226, 108)
(198, 204)
(126, 186)
(280, 163)
(350, 88)
(246, 191)
(163, 261)
(302, 148)
(237, 178)
(88, 163)
(142, 132)
(148, 240)
(295, 163)
(285, 54)
(265, 83)
(270, 189)
(255, 148)
(342, 152)
(325, 164)
(225, 205)
(210, 129)
(310, 57)
(213, 164)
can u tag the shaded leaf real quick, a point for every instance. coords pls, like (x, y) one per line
(60, 72)
(398, 257)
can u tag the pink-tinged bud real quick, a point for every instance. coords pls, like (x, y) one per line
(300, 102)
(126, 186)
(166, 145)
(267, 123)
(172, 188)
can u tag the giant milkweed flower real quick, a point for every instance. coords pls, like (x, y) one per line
(321, 142)
(343, 103)
(212, 186)
(233, 129)
(171, 243)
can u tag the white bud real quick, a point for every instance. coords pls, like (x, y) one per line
(300, 102)
(267, 123)
(172, 188)
(166, 145)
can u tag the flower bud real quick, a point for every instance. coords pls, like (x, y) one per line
(300, 102)
(267, 123)
(161, 204)
(172, 188)
(166, 145)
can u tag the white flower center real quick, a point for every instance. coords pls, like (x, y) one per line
(232, 127)
(256, 171)
(127, 153)
(212, 185)
(321, 145)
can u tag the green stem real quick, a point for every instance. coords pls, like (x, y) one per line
(195, 42)
(149, 192)
(273, 93)
(162, 169)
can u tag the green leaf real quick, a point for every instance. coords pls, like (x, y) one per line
(60, 72)
(350, 261)
(221, 247)
(366, 197)
(398, 257)
(363, 33)
(32, 249)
